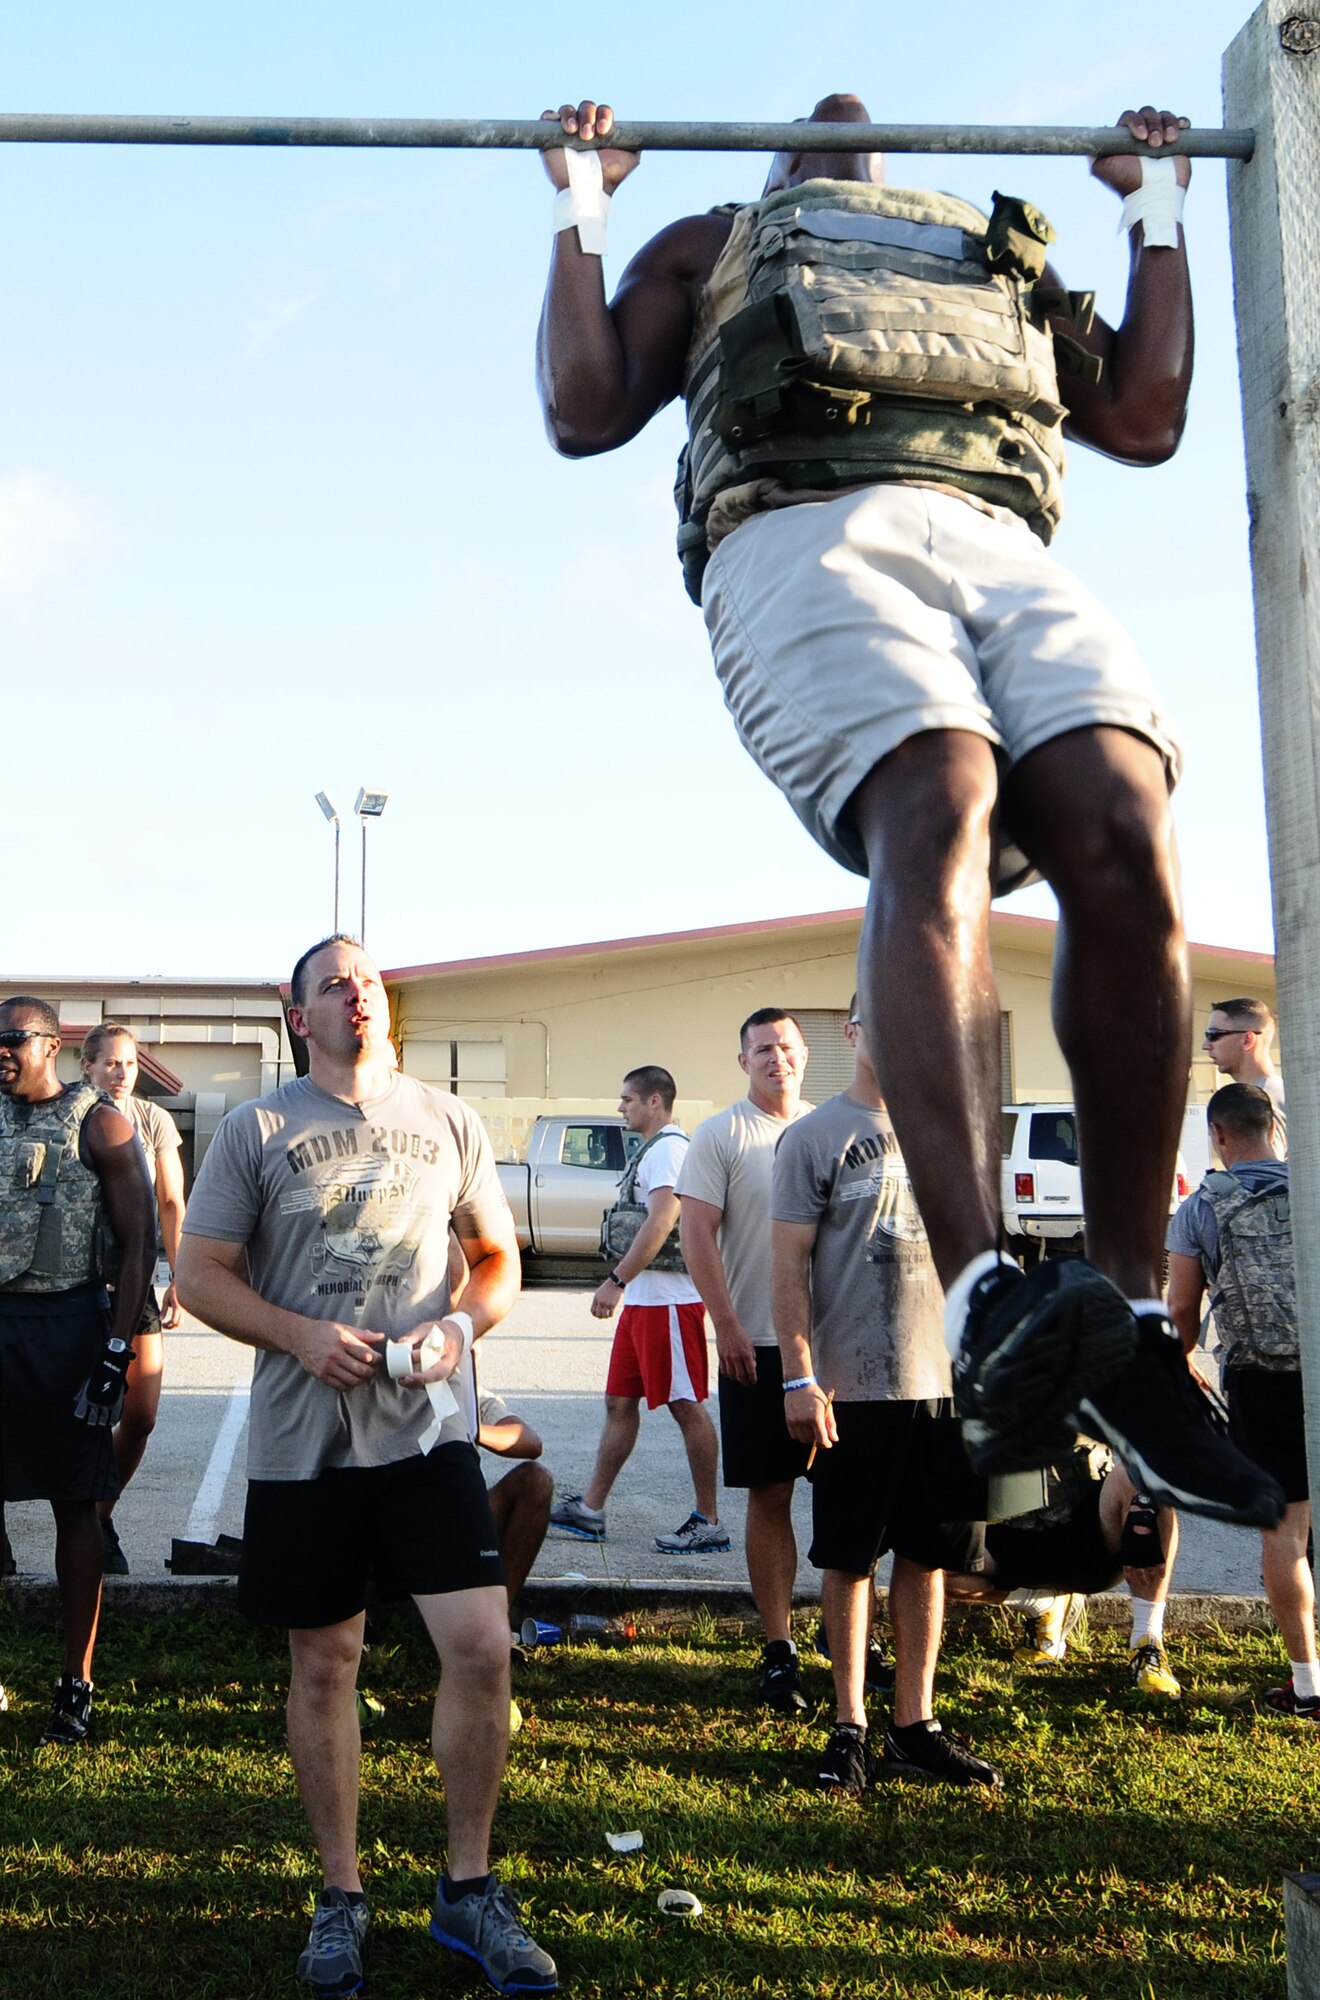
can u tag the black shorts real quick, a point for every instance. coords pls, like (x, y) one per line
(47, 1351)
(897, 1479)
(1063, 1555)
(421, 1528)
(1265, 1421)
(755, 1444)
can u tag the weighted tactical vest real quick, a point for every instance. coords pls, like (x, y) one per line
(54, 1233)
(1255, 1295)
(851, 333)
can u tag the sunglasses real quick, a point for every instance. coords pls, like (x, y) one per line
(14, 1038)
(1217, 1034)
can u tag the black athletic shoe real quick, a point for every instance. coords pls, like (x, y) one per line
(70, 1715)
(879, 1671)
(1032, 1346)
(780, 1686)
(113, 1560)
(844, 1770)
(923, 1752)
(1172, 1437)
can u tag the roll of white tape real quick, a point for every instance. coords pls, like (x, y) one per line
(402, 1358)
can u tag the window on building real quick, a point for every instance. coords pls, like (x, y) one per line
(472, 1068)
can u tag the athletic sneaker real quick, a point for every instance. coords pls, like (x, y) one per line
(332, 1962)
(575, 1518)
(845, 1769)
(1172, 1437)
(113, 1561)
(878, 1675)
(1287, 1701)
(1151, 1672)
(922, 1751)
(1032, 1345)
(1045, 1633)
(780, 1685)
(485, 1926)
(70, 1715)
(696, 1537)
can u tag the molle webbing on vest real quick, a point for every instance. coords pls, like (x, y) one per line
(872, 333)
(54, 1234)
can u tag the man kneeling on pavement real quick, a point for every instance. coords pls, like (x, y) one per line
(859, 1316)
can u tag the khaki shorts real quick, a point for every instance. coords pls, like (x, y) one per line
(842, 627)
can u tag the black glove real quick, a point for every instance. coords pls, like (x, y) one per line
(101, 1397)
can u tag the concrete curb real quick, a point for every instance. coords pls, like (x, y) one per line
(664, 1602)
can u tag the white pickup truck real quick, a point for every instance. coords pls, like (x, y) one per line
(559, 1193)
(1041, 1180)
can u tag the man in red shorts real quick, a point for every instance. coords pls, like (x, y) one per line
(660, 1345)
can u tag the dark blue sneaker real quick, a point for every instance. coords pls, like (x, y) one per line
(332, 1963)
(1033, 1345)
(1172, 1437)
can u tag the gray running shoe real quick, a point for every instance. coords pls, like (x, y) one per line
(332, 1962)
(487, 1929)
(696, 1537)
(573, 1515)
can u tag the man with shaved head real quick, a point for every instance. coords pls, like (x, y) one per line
(878, 383)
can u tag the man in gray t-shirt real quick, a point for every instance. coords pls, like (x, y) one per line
(319, 1234)
(724, 1227)
(859, 1313)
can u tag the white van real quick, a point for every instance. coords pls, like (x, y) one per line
(1041, 1181)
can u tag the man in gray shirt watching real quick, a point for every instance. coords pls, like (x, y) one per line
(859, 1311)
(318, 1233)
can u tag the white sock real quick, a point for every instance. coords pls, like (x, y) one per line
(1147, 1623)
(1032, 1601)
(1305, 1678)
(960, 1291)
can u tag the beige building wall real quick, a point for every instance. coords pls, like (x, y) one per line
(560, 1028)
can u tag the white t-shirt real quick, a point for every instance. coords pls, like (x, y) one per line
(660, 1168)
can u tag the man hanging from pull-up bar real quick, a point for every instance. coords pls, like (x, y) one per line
(876, 417)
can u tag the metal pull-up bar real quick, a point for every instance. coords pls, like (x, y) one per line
(540, 134)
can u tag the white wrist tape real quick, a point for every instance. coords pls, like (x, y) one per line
(1157, 205)
(584, 203)
(463, 1321)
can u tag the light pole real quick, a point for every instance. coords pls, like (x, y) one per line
(367, 805)
(328, 809)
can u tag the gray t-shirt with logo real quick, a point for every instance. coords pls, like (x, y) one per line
(345, 1211)
(877, 1307)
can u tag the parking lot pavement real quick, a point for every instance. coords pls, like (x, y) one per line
(548, 1361)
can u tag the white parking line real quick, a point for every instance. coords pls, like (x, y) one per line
(206, 1507)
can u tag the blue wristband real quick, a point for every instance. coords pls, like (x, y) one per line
(800, 1382)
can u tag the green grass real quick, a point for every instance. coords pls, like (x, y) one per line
(1132, 1853)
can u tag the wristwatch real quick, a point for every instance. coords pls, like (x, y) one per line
(615, 1279)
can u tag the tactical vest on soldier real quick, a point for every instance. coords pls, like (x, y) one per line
(1255, 1295)
(850, 334)
(54, 1232)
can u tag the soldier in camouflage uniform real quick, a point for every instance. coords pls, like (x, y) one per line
(75, 1208)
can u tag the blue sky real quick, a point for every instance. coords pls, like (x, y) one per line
(277, 512)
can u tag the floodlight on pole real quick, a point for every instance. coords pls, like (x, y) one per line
(328, 809)
(367, 805)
